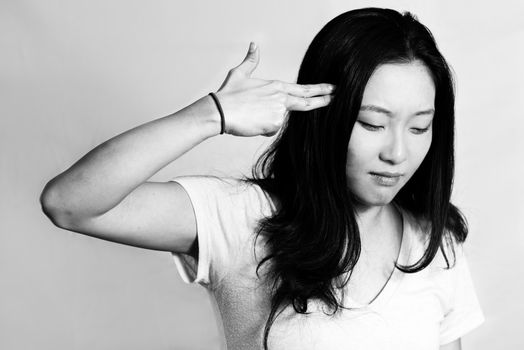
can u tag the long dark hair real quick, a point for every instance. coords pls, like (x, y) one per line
(313, 238)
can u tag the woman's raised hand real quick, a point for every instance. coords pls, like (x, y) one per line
(259, 107)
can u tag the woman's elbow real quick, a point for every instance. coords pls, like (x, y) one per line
(50, 204)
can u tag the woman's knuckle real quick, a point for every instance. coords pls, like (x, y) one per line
(281, 108)
(307, 89)
(281, 97)
(276, 84)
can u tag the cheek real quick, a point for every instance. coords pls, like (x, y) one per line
(362, 150)
(426, 145)
(419, 151)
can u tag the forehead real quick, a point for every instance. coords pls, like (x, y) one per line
(400, 87)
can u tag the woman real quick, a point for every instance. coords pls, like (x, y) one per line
(345, 237)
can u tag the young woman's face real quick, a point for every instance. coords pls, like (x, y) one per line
(392, 133)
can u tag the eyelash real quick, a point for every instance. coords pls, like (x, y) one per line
(376, 128)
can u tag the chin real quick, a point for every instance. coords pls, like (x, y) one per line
(377, 200)
(382, 196)
(372, 195)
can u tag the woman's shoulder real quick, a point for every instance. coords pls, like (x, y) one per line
(238, 190)
(419, 230)
(212, 184)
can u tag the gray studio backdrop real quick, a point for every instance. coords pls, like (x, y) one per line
(76, 73)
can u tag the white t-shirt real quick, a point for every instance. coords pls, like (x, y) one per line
(419, 311)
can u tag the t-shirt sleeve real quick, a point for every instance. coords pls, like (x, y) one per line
(222, 224)
(465, 313)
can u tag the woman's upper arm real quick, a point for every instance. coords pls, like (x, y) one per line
(454, 345)
(156, 215)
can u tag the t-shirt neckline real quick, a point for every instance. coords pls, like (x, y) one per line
(395, 277)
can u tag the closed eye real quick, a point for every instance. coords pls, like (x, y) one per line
(420, 131)
(370, 126)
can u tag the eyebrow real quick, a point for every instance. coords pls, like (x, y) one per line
(378, 109)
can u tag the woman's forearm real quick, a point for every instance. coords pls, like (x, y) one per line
(107, 174)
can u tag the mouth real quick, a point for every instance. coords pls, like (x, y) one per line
(387, 174)
(386, 179)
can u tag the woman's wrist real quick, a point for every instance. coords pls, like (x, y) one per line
(219, 107)
(207, 116)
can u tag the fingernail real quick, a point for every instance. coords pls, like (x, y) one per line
(252, 46)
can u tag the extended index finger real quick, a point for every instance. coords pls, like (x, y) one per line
(309, 90)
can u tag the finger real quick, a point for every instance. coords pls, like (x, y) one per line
(295, 103)
(308, 90)
(273, 133)
(251, 60)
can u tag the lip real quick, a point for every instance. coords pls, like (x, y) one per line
(386, 173)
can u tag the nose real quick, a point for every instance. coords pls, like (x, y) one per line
(394, 151)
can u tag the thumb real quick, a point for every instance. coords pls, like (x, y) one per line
(251, 60)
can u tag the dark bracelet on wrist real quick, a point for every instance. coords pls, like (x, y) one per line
(222, 119)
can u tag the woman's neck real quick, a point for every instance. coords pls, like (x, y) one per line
(374, 221)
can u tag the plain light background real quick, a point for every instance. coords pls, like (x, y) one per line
(76, 73)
